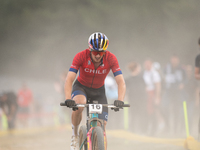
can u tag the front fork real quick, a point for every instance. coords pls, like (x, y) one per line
(89, 140)
(105, 144)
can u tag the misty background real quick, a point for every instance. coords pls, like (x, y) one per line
(39, 38)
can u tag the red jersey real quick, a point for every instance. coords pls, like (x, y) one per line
(88, 75)
(24, 97)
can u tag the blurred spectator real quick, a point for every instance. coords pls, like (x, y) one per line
(136, 98)
(59, 84)
(157, 67)
(111, 88)
(8, 103)
(1, 117)
(152, 81)
(25, 99)
(197, 76)
(197, 65)
(173, 95)
(112, 94)
(59, 88)
(191, 95)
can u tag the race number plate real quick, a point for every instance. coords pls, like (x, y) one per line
(95, 108)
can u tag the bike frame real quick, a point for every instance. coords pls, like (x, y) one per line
(92, 122)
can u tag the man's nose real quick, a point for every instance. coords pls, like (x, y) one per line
(98, 55)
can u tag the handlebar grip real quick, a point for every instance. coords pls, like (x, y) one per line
(62, 104)
(126, 105)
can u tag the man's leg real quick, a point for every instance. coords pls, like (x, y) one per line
(77, 115)
(76, 119)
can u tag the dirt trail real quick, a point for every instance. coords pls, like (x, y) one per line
(59, 139)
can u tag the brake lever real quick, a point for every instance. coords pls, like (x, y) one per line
(74, 108)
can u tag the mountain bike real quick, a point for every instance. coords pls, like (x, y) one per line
(92, 136)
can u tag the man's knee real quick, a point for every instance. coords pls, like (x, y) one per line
(79, 99)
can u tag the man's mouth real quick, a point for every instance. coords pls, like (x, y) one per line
(97, 58)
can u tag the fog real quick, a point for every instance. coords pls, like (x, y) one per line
(39, 39)
(42, 42)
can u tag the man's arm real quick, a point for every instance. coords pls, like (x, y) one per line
(121, 87)
(68, 84)
(197, 73)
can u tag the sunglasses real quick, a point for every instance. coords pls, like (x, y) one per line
(97, 52)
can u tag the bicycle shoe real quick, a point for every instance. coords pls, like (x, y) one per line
(74, 143)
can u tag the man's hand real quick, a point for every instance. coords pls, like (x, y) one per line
(119, 103)
(70, 103)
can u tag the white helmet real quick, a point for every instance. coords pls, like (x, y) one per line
(98, 41)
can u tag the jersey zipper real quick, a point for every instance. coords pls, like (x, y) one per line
(95, 73)
(95, 69)
(93, 78)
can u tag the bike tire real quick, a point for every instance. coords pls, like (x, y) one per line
(98, 139)
(83, 137)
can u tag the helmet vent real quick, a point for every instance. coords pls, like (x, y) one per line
(103, 42)
(95, 42)
(98, 41)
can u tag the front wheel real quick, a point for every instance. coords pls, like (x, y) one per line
(83, 138)
(98, 139)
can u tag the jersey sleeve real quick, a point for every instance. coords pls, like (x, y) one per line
(114, 65)
(77, 62)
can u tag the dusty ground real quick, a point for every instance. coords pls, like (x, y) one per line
(59, 139)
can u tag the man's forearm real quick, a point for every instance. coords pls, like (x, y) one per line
(68, 84)
(121, 87)
(121, 91)
(68, 89)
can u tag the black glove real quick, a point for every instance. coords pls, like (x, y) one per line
(70, 103)
(119, 103)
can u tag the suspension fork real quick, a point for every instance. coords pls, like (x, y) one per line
(89, 140)
(105, 142)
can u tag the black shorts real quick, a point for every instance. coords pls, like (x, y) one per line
(91, 95)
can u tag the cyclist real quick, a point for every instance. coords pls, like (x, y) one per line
(93, 65)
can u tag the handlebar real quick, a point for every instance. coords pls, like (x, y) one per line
(105, 105)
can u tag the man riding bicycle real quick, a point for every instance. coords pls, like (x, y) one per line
(93, 65)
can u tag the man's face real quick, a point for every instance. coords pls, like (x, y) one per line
(97, 56)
